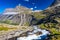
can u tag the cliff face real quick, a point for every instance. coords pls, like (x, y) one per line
(18, 9)
(18, 16)
(51, 14)
(55, 7)
(56, 2)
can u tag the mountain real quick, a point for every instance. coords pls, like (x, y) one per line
(18, 9)
(18, 15)
(56, 2)
(21, 15)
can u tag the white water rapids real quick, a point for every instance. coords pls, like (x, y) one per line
(33, 36)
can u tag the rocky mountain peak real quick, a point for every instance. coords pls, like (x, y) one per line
(18, 9)
(56, 2)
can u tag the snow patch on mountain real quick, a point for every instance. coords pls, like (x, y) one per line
(11, 13)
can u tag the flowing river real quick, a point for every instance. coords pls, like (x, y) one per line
(32, 35)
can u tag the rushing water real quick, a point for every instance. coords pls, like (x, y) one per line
(33, 36)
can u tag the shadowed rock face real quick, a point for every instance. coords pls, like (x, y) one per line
(15, 38)
(15, 18)
(55, 2)
(18, 15)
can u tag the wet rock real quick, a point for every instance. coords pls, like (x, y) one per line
(38, 33)
(23, 34)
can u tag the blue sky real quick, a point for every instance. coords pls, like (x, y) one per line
(33, 4)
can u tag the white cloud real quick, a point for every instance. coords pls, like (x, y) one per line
(27, 0)
(11, 13)
(31, 8)
(19, 4)
(37, 11)
(35, 7)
